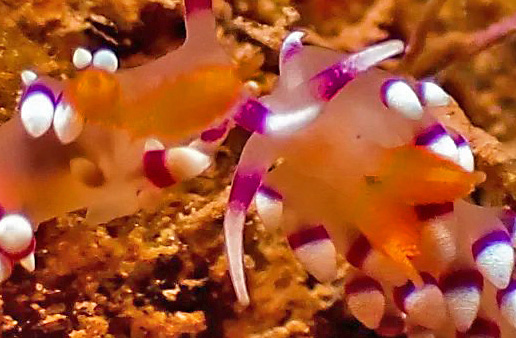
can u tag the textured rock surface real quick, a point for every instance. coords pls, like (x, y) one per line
(164, 274)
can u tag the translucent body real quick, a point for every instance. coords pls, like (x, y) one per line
(173, 97)
(355, 169)
(37, 179)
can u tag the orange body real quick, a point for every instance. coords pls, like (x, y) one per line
(174, 108)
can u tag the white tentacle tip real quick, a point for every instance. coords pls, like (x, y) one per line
(432, 95)
(37, 112)
(153, 144)
(15, 233)
(105, 59)
(68, 124)
(315, 250)
(28, 77)
(186, 162)
(398, 95)
(81, 58)
(28, 262)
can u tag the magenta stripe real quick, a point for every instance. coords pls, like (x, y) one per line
(192, 6)
(305, 236)
(155, 170)
(501, 293)
(462, 278)
(244, 188)
(497, 236)
(358, 252)
(508, 218)
(16, 256)
(252, 116)
(481, 327)
(38, 88)
(385, 87)
(460, 140)
(429, 135)
(270, 193)
(427, 212)
(401, 293)
(216, 133)
(391, 326)
(331, 80)
(362, 284)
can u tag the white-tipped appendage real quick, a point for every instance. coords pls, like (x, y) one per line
(466, 158)
(153, 144)
(105, 59)
(67, 123)
(426, 306)
(373, 55)
(463, 304)
(81, 58)
(496, 263)
(37, 113)
(398, 95)
(269, 209)
(445, 146)
(15, 233)
(185, 162)
(319, 258)
(28, 262)
(432, 95)
(28, 77)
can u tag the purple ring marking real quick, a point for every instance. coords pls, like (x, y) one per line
(270, 193)
(508, 219)
(481, 327)
(427, 212)
(462, 278)
(385, 87)
(400, 293)
(331, 80)
(16, 256)
(41, 88)
(497, 236)
(358, 252)
(192, 6)
(305, 236)
(290, 50)
(252, 116)
(429, 135)
(391, 326)
(216, 133)
(460, 141)
(361, 284)
(420, 92)
(244, 188)
(155, 169)
(501, 293)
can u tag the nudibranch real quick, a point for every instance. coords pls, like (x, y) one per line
(91, 141)
(372, 174)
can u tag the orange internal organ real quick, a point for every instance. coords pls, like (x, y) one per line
(391, 227)
(415, 175)
(175, 108)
